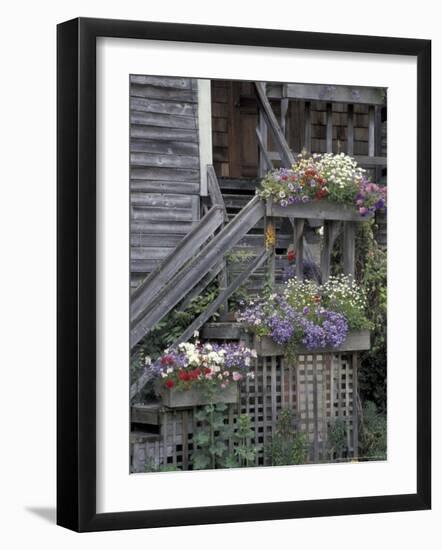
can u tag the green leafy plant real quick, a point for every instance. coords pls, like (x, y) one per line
(244, 453)
(210, 437)
(372, 274)
(373, 433)
(337, 438)
(288, 446)
(151, 466)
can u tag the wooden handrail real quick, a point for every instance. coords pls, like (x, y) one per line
(150, 287)
(195, 269)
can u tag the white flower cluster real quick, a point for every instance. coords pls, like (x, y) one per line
(345, 288)
(340, 169)
(197, 356)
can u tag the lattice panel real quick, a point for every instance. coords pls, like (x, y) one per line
(319, 388)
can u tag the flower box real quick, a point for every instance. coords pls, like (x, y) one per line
(193, 397)
(323, 209)
(357, 340)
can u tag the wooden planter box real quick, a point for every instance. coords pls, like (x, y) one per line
(357, 340)
(320, 209)
(193, 398)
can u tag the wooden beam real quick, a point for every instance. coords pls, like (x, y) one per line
(340, 94)
(370, 162)
(298, 242)
(371, 131)
(287, 157)
(348, 247)
(321, 210)
(263, 139)
(222, 331)
(284, 109)
(307, 127)
(266, 163)
(331, 231)
(204, 123)
(350, 129)
(329, 131)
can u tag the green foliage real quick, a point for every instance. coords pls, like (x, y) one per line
(210, 436)
(244, 452)
(238, 298)
(372, 272)
(150, 466)
(287, 446)
(373, 436)
(337, 437)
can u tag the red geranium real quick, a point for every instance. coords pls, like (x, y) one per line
(321, 194)
(195, 373)
(183, 375)
(167, 360)
(291, 255)
(207, 370)
(170, 384)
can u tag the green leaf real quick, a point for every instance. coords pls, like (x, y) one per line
(201, 438)
(200, 461)
(218, 449)
(201, 415)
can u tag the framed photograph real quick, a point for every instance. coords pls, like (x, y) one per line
(243, 313)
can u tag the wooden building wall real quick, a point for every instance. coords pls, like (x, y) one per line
(164, 167)
(235, 117)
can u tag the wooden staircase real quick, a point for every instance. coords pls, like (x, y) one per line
(232, 227)
(238, 216)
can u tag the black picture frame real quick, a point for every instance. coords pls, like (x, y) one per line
(76, 273)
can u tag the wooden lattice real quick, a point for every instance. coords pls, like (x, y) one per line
(319, 388)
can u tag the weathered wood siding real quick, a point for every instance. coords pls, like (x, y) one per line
(235, 117)
(164, 167)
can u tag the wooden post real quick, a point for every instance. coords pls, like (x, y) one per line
(264, 136)
(329, 132)
(349, 248)
(378, 140)
(331, 231)
(223, 283)
(350, 129)
(307, 128)
(315, 410)
(270, 242)
(298, 242)
(371, 120)
(284, 109)
(355, 405)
